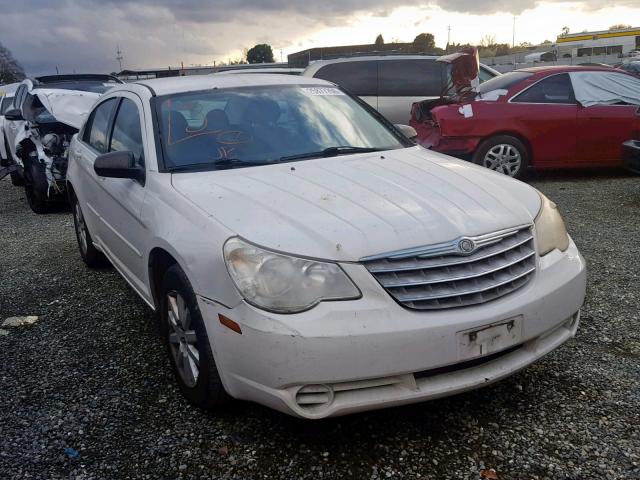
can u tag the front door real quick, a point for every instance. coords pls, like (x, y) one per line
(117, 202)
(546, 114)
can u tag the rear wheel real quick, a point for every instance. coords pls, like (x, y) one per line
(17, 179)
(505, 154)
(91, 256)
(188, 344)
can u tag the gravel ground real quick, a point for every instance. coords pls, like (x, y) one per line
(86, 390)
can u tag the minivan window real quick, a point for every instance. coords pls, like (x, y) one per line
(358, 77)
(127, 135)
(409, 78)
(98, 125)
(248, 126)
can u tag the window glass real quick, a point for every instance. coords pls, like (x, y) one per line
(484, 75)
(409, 78)
(503, 82)
(98, 126)
(127, 135)
(553, 89)
(359, 78)
(250, 126)
(6, 104)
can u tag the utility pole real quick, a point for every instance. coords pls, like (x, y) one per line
(281, 56)
(119, 56)
(448, 36)
(513, 41)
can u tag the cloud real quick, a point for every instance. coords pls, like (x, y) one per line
(82, 35)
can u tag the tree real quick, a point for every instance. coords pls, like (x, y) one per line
(379, 40)
(565, 31)
(619, 26)
(425, 41)
(261, 53)
(488, 40)
(10, 70)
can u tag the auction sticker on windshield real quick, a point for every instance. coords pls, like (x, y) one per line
(322, 91)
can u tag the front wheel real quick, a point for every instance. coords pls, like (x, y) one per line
(504, 154)
(36, 187)
(188, 344)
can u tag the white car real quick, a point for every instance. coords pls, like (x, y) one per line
(7, 93)
(304, 254)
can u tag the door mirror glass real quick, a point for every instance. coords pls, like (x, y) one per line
(14, 114)
(121, 164)
(407, 130)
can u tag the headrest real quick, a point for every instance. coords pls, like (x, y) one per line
(217, 120)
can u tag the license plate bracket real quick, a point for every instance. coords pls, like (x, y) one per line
(487, 339)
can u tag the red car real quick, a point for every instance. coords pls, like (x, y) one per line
(545, 117)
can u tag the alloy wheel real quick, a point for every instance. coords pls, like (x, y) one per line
(183, 340)
(503, 158)
(81, 227)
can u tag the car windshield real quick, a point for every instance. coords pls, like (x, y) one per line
(83, 86)
(502, 82)
(248, 126)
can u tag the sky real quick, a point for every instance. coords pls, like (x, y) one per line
(83, 35)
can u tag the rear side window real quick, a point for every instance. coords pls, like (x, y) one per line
(410, 78)
(127, 135)
(359, 78)
(553, 89)
(6, 103)
(97, 130)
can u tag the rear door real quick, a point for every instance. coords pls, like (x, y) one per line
(546, 115)
(14, 128)
(403, 82)
(602, 129)
(359, 78)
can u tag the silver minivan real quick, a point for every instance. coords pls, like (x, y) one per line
(391, 83)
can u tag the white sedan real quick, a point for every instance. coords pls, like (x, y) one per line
(304, 254)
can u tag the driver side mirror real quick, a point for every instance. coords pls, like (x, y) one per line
(407, 131)
(14, 114)
(120, 164)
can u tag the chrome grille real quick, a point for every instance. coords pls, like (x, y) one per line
(443, 276)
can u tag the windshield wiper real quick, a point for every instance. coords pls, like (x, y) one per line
(330, 152)
(221, 164)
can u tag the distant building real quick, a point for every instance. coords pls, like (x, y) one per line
(605, 42)
(303, 58)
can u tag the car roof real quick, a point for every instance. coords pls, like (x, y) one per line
(315, 65)
(565, 68)
(167, 86)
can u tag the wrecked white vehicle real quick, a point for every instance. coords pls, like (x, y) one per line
(6, 101)
(46, 112)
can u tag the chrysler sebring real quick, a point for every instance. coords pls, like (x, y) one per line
(303, 253)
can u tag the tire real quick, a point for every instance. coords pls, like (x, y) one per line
(183, 330)
(36, 187)
(504, 154)
(91, 256)
(17, 179)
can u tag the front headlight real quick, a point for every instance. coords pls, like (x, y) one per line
(281, 283)
(550, 230)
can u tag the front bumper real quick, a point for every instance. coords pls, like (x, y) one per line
(349, 356)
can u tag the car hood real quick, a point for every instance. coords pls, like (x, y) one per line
(67, 106)
(349, 207)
